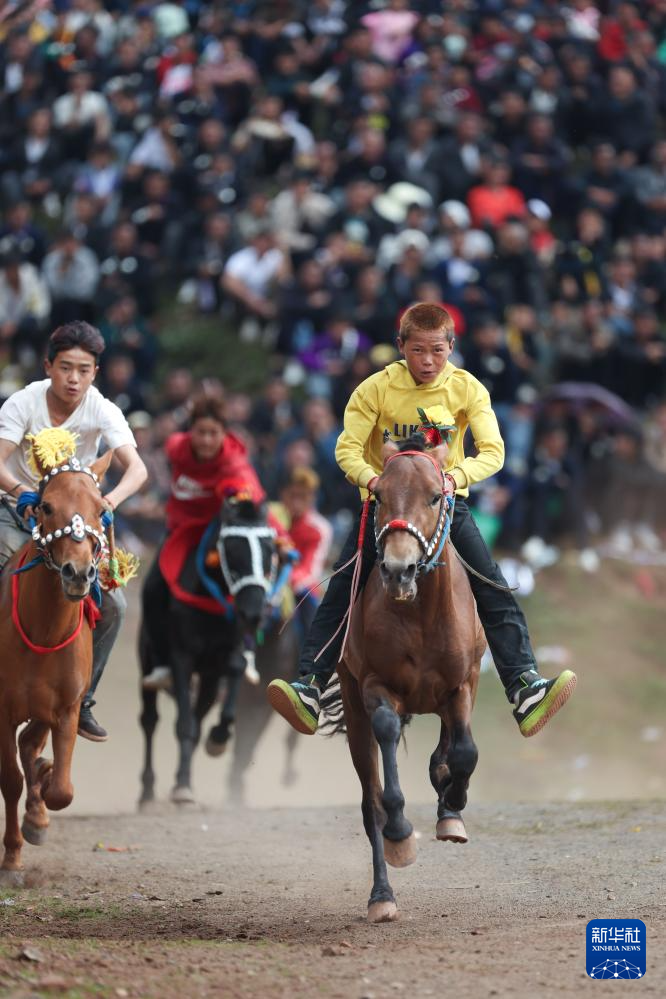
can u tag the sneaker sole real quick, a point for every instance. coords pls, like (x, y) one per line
(90, 737)
(557, 697)
(287, 703)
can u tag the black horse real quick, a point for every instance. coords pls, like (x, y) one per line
(213, 647)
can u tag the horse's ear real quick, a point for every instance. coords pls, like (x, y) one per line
(388, 450)
(101, 466)
(440, 454)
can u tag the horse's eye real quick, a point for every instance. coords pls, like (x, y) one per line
(436, 500)
(378, 499)
(47, 509)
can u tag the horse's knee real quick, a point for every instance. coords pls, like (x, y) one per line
(57, 798)
(463, 755)
(386, 724)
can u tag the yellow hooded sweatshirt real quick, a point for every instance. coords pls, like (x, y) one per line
(390, 400)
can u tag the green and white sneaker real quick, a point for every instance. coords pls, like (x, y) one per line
(538, 699)
(297, 702)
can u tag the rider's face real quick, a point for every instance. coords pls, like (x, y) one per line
(426, 353)
(207, 436)
(72, 372)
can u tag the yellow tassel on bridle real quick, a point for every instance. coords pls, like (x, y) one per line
(118, 569)
(50, 448)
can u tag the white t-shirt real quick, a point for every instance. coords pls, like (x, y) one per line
(257, 272)
(95, 419)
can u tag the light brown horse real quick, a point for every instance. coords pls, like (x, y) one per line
(415, 647)
(46, 651)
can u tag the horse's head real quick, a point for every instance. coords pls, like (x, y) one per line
(248, 557)
(409, 514)
(69, 529)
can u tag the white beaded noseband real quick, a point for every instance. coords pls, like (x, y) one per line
(77, 528)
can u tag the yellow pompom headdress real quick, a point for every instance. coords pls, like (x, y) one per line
(50, 448)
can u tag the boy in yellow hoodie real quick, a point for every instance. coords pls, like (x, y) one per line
(389, 402)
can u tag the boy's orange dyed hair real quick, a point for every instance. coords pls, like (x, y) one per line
(426, 317)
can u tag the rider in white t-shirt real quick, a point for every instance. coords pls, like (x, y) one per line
(68, 399)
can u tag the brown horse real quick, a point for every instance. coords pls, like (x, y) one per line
(46, 643)
(415, 647)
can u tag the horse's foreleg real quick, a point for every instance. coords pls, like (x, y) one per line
(56, 781)
(399, 845)
(182, 791)
(255, 713)
(11, 785)
(461, 758)
(149, 718)
(219, 735)
(363, 748)
(36, 820)
(205, 699)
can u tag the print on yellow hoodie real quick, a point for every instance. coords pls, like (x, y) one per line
(389, 401)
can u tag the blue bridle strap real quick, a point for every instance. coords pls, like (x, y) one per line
(214, 589)
(429, 564)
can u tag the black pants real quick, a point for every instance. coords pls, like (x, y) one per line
(156, 598)
(502, 619)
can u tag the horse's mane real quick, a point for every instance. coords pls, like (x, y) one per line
(416, 442)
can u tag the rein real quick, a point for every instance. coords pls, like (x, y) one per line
(86, 607)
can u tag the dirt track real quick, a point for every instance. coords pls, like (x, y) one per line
(271, 903)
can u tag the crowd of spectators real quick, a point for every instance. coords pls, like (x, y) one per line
(306, 169)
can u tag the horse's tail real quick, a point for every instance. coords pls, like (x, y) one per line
(332, 720)
(332, 711)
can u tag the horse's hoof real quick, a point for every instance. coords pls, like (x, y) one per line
(215, 748)
(382, 912)
(182, 796)
(35, 835)
(146, 805)
(400, 853)
(451, 829)
(12, 879)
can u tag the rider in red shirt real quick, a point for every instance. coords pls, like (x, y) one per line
(207, 461)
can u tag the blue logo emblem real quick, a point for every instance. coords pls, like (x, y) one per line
(616, 948)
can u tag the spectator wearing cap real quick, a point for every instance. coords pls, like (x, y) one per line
(71, 273)
(542, 240)
(25, 304)
(455, 218)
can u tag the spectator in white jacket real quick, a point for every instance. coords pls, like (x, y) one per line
(71, 271)
(25, 305)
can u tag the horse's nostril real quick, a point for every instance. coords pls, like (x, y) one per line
(92, 572)
(410, 571)
(68, 571)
